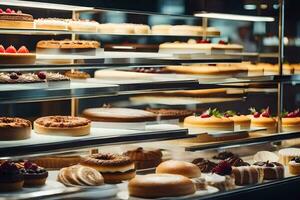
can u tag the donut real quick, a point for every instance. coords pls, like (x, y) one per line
(114, 168)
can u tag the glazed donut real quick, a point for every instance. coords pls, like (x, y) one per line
(113, 167)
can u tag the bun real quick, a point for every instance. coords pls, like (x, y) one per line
(183, 168)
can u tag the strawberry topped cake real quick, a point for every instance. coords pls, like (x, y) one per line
(263, 119)
(241, 122)
(290, 121)
(12, 19)
(210, 120)
(11, 55)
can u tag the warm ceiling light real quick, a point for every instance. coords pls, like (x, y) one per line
(250, 7)
(235, 17)
(53, 6)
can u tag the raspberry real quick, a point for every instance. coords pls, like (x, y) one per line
(223, 42)
(1, 11)
(8, 10)
(41, 75)
(223, 168)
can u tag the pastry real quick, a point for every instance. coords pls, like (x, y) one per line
(210, 120)
(223, 155)
(14, 128)
(186, 30)
(113, 167)
(165, 114)
(33, 174)
(286, 155)
(15, 20)
(85, 47)
(204, 165)
(51, 24)
(290, 121)
(141, 29)
(78, 175)
(124, 28)
(241, 122)
(247, 175)
(294, 166)
(62, 125)
(236, 161)
(77, 75)
(82, 25)
(22, 78)
(264, 156)
(161, 29)
(145, 158)
(118, 115)
(55, 79)
(263, 120)
(183, 168)
(221, 177)
(57, 161)
(11, 55)
(11, 178)
(272, 170)
(160, 185)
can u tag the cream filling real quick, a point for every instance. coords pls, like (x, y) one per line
(214, 178)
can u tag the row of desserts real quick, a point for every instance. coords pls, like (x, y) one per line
(178, 178)
(210, 120)
(10, 18)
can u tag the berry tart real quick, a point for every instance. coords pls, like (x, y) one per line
(263, 119)
(11, 178)
(62, 125)
(221, 177)
(210, 120)
(33, 174)
(143, 158)
(241, 122)
(290, 121)
(294, 166)
(272, 170)
(13, 128)
(15, 19)
(11, 55)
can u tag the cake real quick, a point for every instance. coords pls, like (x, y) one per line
(294, 166)
(78, 175)
(55, 79)
(82, 25)
(77, 75)
(264, 156)
(205, 166)
(111, 28)
(290, 121)
(34, 175)
(51, 24)
(161, 29)
(183, 168)
(241, 122)
(11, 19)
(263, 120)
(13, 128)
(160, 185)
(11, 55)
(210, 120)
(247, 175)
(114, 168)
(166, 114)
(11, 178)
(272, 170)
(56, 161)
(186, 30)
(84, 47)
(286, 155)
(145, 158)
(118, 115)
(62, 125)
(22, 78)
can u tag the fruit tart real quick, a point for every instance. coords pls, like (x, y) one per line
(33, 174)
(290, 121)
(241, 122)
(263, 119)
(11, 55)
(12, 19)
(11, 178)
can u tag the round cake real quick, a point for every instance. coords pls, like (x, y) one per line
(160, 185)
(165, 114)
(33, 174)
(145, 158)
(272, 170)
(241, 122)
(161, 29)
(264, 156)
(51, 24)
(18, 20)
(210, 123)
(247, 175)
(11, 178)
(294, 166)
(77, 75)
(11, 55)
(14, 128)
(286, 155)
(62, 125)
(113, 167)
(290, 124)
(183, 168)
(263, 120)
(118, 115)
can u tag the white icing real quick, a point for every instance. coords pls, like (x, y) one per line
(214, 178)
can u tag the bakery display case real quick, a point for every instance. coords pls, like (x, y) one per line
(140, 109)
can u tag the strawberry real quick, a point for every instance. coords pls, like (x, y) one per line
(266, 112)
(1, 11)
(2, 49)
(256, 115)
(205, 115)
(13, 11)
(290, 115)
(8, 10)
(11, 49)
(297, 113)
(23, 49)
(223, 42)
